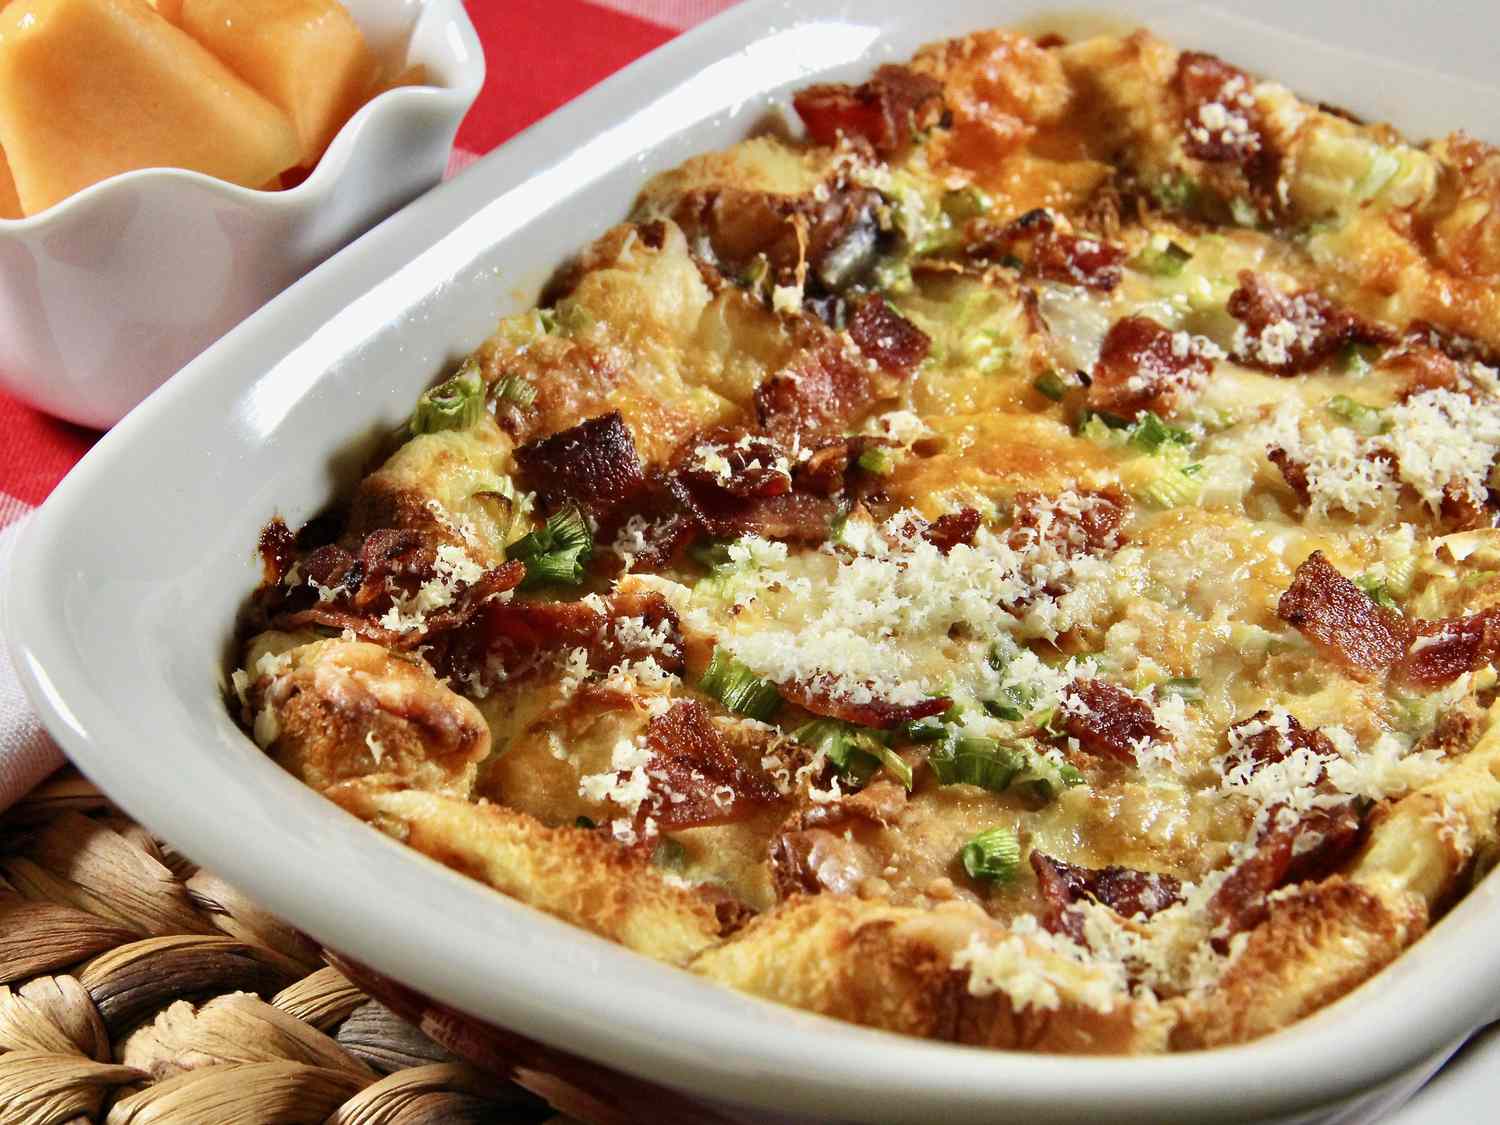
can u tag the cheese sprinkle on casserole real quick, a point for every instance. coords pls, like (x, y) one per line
(1015, 565)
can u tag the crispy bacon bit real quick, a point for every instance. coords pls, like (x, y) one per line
(817, 696)
(1055, 255)
(1220, 121)
(1144, 366)
(948, 531)
(1289, 333)
(1290, 849)
(888, 111)
(1124, 890)
(1294, 472)
(1106, 719)
(795, 517)
(826, 387)
(1269, 744)
(1422, 368)
(521, 635)
(1461, 511)
(753, 465)
(1091, 526)
(277, 551)
(696, 779)
(1441, 651)
(1336, 616)
(666, 534)
(593, 464)
(887, 337)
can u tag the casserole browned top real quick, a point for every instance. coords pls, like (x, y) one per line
(1015, 566)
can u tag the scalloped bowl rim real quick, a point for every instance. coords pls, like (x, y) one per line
(325, 173)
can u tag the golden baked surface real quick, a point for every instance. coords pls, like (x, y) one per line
(1015, 566)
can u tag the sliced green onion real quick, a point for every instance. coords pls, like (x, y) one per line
(966, 760)
(584, 822)
(712, 554)
(1189, 688)
(1161, 257)
(454, 404)
(989, 349)
(925, 730)
(1357, 359)
(556, 552)
(738, 688)
(1368, 420)
(669, 854)
(994, 855)
(878, 460)
(1051, 384)
(1375, 589)
(856, 752)
(1178, 193)
(1042, 779)
(966, 203)
(514, 389)
(1173, 487)
(893, 275)
(1150, 433)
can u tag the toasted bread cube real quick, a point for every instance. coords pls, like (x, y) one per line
(307, 56)
(92, 88)
(10, 203)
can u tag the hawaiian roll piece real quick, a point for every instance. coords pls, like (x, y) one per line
(335, 710)
(93, 88)
(307, 56)
(575, 874)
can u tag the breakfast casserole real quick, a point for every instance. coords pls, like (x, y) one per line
(1005, 556)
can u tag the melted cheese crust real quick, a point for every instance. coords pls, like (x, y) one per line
(503, 773)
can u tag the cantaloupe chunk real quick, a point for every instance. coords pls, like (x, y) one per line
(10, 202)
(307, 56)
(91, 88)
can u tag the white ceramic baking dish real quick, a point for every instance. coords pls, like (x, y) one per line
(124, 592)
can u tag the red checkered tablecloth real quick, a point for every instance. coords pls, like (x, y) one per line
(567, 46)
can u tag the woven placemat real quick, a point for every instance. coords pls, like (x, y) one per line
(138, 989)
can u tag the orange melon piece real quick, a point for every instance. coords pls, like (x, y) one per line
(170, 9)
(10, 202)
(307, 56)
(91, 88)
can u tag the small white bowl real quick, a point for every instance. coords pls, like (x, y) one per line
(107, 294)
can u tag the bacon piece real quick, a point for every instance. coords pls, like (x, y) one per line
(887, 337)
(793, 516)
(1289, 333)
(888, 111)
(521, 635)
(1289, 849)
(1124, 890)
(1441, 651)
(1230, 133)
(1144, 366)
(277, 551)
(817, 695)
(754, 463)
(1106, 719)
(1270, 744)
(948, 531)
(1460, 511)
(593, 464)
(696, 779)
(826, 387)
(666, 535)
(1055, 255)
(1294, 472)
(1422, 368)
(1336, 616)
(1092, 528)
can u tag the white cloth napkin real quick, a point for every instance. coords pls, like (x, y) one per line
(27, 754)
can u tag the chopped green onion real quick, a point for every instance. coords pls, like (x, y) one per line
(454, 404)
(1188, 688)
(584, 822)
(1173, 488)
(1150, 433)
(547, 318)
(514, 389)
(1161, 257)
(854, 751)
(925, 730)
(1357, 359)
(1375, 590)
(738, 688)
(1013, 705)
(994, 855)
(1368, 420)
(878, 460)
(713, 554)
(556, 552)
(1043, 779)
(966, 203)
(1178, 193)
(893, 275)
(966, 760)
(1051, 384)
(989, 349)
